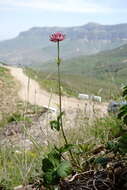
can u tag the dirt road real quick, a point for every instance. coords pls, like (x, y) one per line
(78, 114)
(40, 97)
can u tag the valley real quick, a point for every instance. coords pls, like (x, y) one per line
(33, 129)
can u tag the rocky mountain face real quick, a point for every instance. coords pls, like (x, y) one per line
(33, 46)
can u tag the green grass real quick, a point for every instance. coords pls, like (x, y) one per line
(99, 64)
(22, 167)
(73, 84)
(18, 167)
(49, 82)
(100, 74)
(107, 61)
(5, 76)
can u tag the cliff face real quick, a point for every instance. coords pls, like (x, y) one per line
(33, 46)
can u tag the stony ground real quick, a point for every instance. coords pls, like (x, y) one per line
(22, 133)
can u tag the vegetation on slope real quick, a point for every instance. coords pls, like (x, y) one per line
(19, 166)
(102, 74)
(73, 84)
(48, 81)
(24, 166)
(101, 65)
(8, 94)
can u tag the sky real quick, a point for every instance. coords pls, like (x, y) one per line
(20, 15)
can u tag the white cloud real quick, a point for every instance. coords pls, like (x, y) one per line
(79, 6)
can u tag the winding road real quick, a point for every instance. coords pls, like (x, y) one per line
(41, 97)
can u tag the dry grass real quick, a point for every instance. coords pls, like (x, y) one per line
(9, 100)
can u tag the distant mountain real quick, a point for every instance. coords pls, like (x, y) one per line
(33, 46)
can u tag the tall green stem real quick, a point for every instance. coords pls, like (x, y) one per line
(59, 86)
(60, 102)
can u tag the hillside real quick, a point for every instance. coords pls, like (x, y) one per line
(30, 150)
(97, 142)
(112, 62)
(8, 94)
(116, 58)
(33, 46)
(101, 74)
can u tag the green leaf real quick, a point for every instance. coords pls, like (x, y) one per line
(125, 91)
(102, 160)
(54, 154)
(123, 143)
(55, 125)
(66, 148)
(55, 158)
(64, 169)
(125, 119)
(47, 165)
(51, 178)
(123, 139)
(112, 146)
(123, 114)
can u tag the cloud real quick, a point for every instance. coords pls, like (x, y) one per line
(76, 6)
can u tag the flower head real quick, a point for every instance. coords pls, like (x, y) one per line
(57, 36)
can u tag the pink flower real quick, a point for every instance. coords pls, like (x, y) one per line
(57, 36)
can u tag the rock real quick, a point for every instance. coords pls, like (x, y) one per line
(21, 187)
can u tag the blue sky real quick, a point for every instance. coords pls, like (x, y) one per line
(20, 15)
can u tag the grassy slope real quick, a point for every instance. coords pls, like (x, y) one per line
(15, 166)
(49, 82)
(74, 84)
(100, 74)
(8, 94)
(108, 61)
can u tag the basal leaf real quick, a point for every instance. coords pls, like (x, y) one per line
(123, 143)
(55, 159)
(102, 160)
(51, 178)
(66, 148)
(54, 154)
(47, 165)
(112, 146)
(64, 169)
(123, 139)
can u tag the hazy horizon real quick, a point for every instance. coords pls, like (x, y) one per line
(19, 15)
(56, 26)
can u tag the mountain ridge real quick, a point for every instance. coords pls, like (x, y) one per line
(33, 46)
